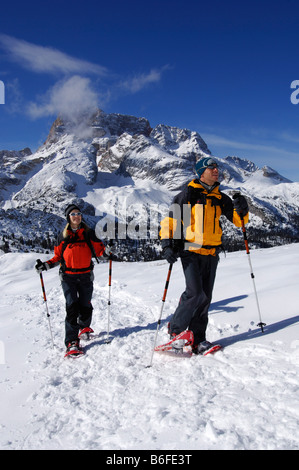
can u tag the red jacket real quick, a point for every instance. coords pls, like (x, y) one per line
(73, 250)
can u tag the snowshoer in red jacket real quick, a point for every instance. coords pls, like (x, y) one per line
(73, 251)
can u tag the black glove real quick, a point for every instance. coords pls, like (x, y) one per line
(240, 204)
(169, 254)
(108, 253)
(108, 250)
(40, 266)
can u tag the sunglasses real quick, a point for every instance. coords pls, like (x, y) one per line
(212, 166)
(73, 214)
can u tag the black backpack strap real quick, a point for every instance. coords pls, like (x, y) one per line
(68, 240)
(88, 241)
(65, 242)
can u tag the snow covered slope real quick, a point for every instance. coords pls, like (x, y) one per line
(244, 397)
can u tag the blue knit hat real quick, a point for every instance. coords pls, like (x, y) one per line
(203, 163)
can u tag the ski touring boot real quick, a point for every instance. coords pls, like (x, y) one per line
(73, 349)
(84, 333)
(204, 348)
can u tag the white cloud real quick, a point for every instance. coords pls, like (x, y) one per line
(75, 95)
(223, 142)
(70, 98)
(46, 59)
(15, 101)
(138, 82)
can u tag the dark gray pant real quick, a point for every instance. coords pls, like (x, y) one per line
(78, 291)
(192, 311)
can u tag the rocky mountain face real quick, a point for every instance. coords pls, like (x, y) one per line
(124, 174)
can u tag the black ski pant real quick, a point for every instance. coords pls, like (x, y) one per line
(192, 311)
(77, 289)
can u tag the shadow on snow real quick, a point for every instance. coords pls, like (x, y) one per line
(251, 334)
(222, 305)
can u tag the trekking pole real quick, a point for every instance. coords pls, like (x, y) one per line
(109, 297)
(160, 317)
(260, 324)
(45, 300)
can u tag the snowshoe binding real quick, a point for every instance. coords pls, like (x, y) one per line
(85, 333)
(74, 350)
(204, 348)
(177, 342)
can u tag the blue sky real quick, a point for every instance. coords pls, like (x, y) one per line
(223, 69)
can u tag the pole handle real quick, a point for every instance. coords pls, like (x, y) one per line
(244, 234)
(43, 286)
(167, 283)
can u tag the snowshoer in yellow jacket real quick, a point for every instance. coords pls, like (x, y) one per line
(192, 230)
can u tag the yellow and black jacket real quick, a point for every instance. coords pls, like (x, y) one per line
(193, 221)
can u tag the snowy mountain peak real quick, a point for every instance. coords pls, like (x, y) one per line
(179, 140)
(268, 172)
(98, 125)
(242, 170)
(110, 160)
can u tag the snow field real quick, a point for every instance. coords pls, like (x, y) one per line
(243, 397)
